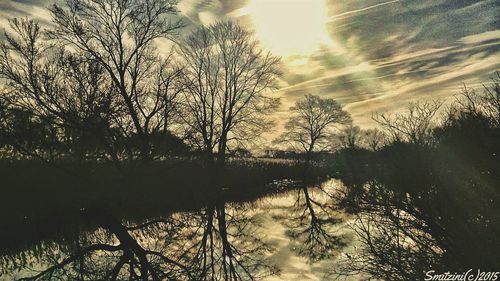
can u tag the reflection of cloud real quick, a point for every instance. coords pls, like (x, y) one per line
(273, 215)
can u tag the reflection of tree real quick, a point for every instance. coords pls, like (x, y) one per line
(225, 245)
(397, 239)
(349, 198)
(217, 243)
(431, 200)
(310, 225)
(113, 252)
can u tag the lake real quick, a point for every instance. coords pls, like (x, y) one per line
(296, 234)
(391, 224)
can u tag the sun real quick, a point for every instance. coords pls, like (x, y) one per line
(289, 27)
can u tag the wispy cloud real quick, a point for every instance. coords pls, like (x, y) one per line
(382, 55)
(345, 14)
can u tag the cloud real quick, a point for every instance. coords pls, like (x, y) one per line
(361, 10)
(34, 9)
(204, 12)
(482, 37)
(382, 55)
(409, 50)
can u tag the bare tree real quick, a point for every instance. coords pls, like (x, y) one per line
(477, 104)
(350, 136)
(414, 124)
(313, 122)
(491, 100)
(49, 84)
(98, 73)
(226, 78)
(373, 138)
(120, 35)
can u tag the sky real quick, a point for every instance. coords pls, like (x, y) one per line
(369, 55)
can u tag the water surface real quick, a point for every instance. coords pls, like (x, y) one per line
(297, 234)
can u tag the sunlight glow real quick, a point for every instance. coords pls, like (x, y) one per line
(289, 27)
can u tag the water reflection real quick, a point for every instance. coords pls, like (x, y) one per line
(358, 229)
(406, 228)
(221, 241)
(311, 222)
(395, 241)
(115, 251)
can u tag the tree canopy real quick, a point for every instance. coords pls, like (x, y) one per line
(313, 122)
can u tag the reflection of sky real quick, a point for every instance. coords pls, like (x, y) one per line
(271, 216)
(274, 211)
(371, 55)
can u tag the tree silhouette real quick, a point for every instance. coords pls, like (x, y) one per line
(66, 92)
(312, 123)
(350, 136)
(414, 124)
(374, 138)
(99, 71)
(120, 36)
(226, 77)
